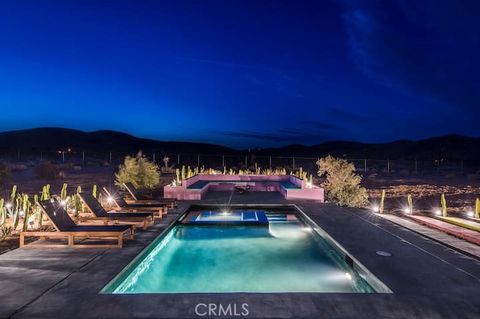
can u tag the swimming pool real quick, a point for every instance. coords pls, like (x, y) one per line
(287, 254)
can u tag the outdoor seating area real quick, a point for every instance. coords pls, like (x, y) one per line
(290, 186)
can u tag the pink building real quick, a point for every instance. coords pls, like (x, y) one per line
(291, 187)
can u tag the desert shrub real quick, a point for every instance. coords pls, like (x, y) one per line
(46, 170)
(4, 172)
(139, 171)
(342, 185)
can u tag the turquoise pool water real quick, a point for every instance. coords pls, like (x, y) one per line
(283, 256)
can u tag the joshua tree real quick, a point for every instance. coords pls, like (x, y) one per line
(342, 185)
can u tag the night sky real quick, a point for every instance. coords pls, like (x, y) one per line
(243, 73)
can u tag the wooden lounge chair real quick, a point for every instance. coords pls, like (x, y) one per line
(132, 218)
(120, 204)
(66, 228)
(142, 198)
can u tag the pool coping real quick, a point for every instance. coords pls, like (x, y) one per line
(378, 286)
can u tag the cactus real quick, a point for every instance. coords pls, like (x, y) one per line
(45, 192)
(184, 173)
(13, 194)
(37, 209)
(382, 202)
(177, 173)
(443, 202)
(94, 190)
(63, 192)
(16, 212)
(77, 203)
(3, 212)
(410, 203)
(26, 205)
(477, 208)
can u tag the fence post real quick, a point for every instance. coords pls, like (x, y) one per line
(83, 157)
(110, 157)
(178, 158)
(270, 162)
(388, 166)
(198, 160)
(416, 166)
(223, 160)
(246, 161)
(293, 163)
(365, 166)
(154, 157)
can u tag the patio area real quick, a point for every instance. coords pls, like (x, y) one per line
(428, 279)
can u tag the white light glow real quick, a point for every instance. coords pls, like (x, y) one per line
(22, 213)
(438, 212)
(349, 277)
(8, 205)
(470, 213)
(407, 210)
(63, 203)
(376, 209)
(110, 199)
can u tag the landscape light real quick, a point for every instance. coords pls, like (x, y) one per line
(110, 199)
(349, 277)
(307, 229)
(63, 203)
(376, 209)
(407, 210)
(8, 205)
(438, 212)
(22, 213)
(309, 185)
(470, 213)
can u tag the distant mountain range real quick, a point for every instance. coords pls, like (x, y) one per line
(53, 139)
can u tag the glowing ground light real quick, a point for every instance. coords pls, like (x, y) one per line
(8, 205)
(438, 212)
(349, 277)
(407, 210)
(307, 229)
(110, 199)
(376, 209)
(470, 213)
(63, 203)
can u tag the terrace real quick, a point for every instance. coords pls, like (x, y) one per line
(290, 186)
(66, 282)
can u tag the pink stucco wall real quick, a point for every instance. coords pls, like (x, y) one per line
(269, 183)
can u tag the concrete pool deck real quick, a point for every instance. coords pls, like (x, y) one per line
(428, 280)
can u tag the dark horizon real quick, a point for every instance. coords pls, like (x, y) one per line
(243, 74)
(338, 142)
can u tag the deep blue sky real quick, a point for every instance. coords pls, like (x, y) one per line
(243, 73)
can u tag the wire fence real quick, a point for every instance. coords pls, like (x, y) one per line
(242, 161)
